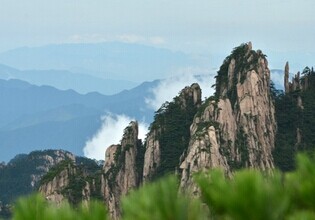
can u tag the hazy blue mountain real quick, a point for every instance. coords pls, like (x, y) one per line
(58, 114)
(64, 79)
(110, 60)
(42, 117)
(69, 135)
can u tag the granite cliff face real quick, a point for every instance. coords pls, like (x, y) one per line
(122, 169)
(236, 127)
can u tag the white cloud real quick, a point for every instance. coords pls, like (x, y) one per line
(277, 76)
(110, 132)
(157, 40)
(167, 89)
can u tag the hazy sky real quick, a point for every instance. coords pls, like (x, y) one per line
(199, 26)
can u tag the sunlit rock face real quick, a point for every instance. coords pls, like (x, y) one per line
(236, 127)
(122, 169)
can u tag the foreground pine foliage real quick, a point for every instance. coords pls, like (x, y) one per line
(161, 200)
(36, 208)
(249, 194)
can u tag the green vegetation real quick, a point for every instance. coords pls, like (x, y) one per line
(161, 200)
(242, 147)
(140, 159)
(205, 104)
(56, 170)
(84, 172)
(36, 208)
(249, 194)
(290, 117)
(172, 122)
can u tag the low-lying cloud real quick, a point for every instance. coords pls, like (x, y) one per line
(167, 89)
(111, 132)
(113, 125)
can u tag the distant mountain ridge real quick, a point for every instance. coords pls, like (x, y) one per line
(64, 80)
(114, 60)
(43, 117)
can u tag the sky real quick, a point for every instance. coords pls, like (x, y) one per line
(197, 26)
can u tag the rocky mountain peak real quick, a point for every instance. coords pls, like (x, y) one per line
(75, 182)
(235, 68)
(130, 135)
(190, 93)
(236, 127)
(122, 169)
(299, 82)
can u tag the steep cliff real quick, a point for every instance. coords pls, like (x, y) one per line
(169, 133)
(236, 127)
(122, 168)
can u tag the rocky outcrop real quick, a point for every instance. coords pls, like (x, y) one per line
(169, 119)
(72, 182)
(50, 159)
(26, 170)
(122, 168)
(190, 95)
(235, 128)
(299, 83)
(52, 187)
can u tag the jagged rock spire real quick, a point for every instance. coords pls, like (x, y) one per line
(236, 128)
(250, 46)
(122, 169)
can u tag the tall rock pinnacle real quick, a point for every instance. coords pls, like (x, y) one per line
(122, 169)
(235, 128)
